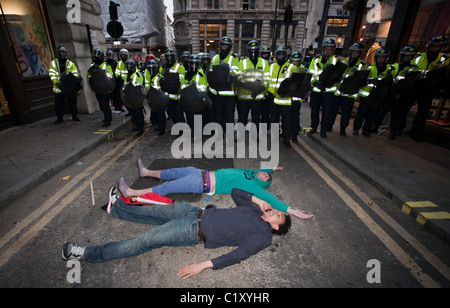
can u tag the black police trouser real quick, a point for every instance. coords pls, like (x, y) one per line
(253, 106)
(137, 114)
(367, 113)
(175, 111)
(115, 95)
(423, 108)
(399, 112)
(327, 101)
(103, 102)
(59, 105)
(286, 118)
(225, 107)
(385, 106)
(296, 105)
(346, 104)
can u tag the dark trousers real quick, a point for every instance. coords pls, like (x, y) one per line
(175, 111)
(59, 105)
(256, 108)
(366, 115)
(399, 112)
(327, 101)
(423, 108)
(225, 107)
(296, 105)
(286, 118)
(137, 114)
(103, 102)
(346, 105)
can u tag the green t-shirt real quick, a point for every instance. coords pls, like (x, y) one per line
(245, 179)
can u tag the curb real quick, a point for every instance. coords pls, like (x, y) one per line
(434, 221)
(14, 192)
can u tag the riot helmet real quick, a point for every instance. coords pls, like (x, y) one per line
(357, 47)
(253, 50)
(296, 58)
(131, 66)
(61, 53)
(265, 53)
(281, 55)
(124, 54)
(152, 67)
(328, 48)
(99, 56)
(225, 45)
(435, 44)
(206, 60)
(408, 52)
(170, 57)
(194, 63)
(381, 52)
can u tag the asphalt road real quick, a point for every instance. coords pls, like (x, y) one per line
(357, 237)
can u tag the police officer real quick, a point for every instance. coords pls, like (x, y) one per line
(175, 111)
(347, 101)
(425, 62)
(246, 101)
(296, 59)
(322, 96)
(58, 66)
(370, 101)
(194, 75)
(185, 60)
(206, 62)
(138, 79)
(280, 70)
(120, 73)
(265, 54)
(151, 73)
(404, 99)
(103, 99)
(224, 101)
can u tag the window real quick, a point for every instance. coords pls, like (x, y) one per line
(248, 29)
(249, 4)
(212, 4)
(211, 31)
(336, 25)
(29, 36)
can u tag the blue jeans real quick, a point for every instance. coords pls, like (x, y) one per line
(177, 226)
(180, 180)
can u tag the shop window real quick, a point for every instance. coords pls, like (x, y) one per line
(336, 25)
(28, 33)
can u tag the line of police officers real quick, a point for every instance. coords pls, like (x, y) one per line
(253, 85)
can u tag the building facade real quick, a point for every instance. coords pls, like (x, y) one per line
(30, 31)
(199, 24)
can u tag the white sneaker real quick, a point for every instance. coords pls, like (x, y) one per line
(112, 198)
(72, 251)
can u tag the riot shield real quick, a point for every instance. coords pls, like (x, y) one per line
(102, 82)
(332, 73)
(251, 82)
(170, 83)
(219, 77)
(193, 100)
(352, 84)
(70, 85)
(295, 85)
(382, 92)
(133, 96)
(158, 100)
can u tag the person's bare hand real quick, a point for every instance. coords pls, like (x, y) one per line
(193, 269)
(299, 213)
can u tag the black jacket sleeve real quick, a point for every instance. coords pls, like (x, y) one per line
(241, 197)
